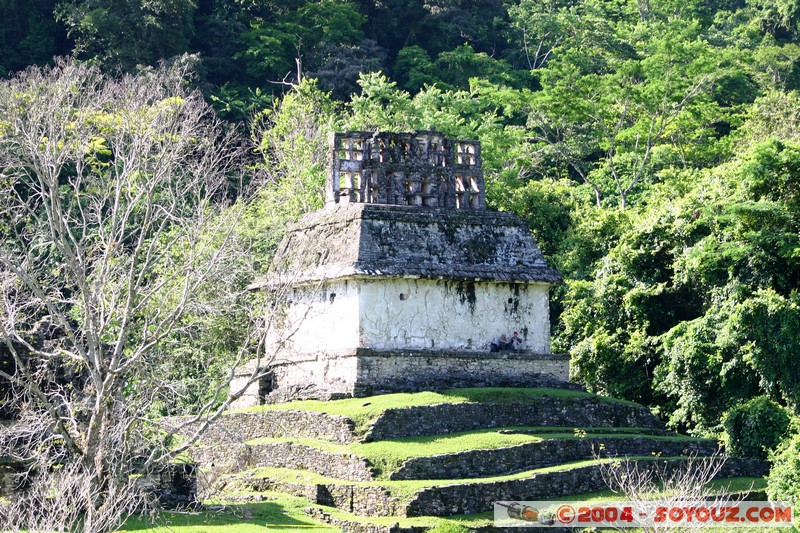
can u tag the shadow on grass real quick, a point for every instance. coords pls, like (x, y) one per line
(237, 518)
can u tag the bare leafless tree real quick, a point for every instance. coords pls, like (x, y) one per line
(652, 484)
(114, 229)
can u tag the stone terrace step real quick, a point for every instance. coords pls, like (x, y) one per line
(376, 499)
(232, 458)
(430, 419)
(510, 459)
(480, 497)
(546, 411)
(244, 426)
(550, 452)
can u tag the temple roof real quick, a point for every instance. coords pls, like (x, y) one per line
(373, 240)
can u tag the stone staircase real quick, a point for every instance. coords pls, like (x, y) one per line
(434, 460)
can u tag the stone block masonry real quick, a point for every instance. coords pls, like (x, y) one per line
(468, 464)
(392, 241)
(480, 497)
(241, 427)
(364, 372)
(551, 452)
(476, 496)
(546, 411)
(420, 168)
(358, 499)
(435, 419)
(237, 457)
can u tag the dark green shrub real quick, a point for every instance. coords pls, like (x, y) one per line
(754, 428)
(783, 483)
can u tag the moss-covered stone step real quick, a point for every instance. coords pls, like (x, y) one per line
(445, 500)
(480, 453)
(237, 457)
(239, 427)
(459, 496)
(549, 452)
(741, 487)
(446, 418)
(541, 431)
(426, 413)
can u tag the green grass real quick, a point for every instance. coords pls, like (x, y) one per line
(728, 486)
(731, 485)
(405, 489)
(387, 456)
(280, 513)
(363, 411)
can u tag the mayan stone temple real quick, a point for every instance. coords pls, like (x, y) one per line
(405, 281)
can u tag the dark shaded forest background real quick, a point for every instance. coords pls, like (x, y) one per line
(653, 147)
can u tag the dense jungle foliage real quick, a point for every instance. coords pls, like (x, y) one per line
(653, 146)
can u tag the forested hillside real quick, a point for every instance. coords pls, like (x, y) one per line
(653, 147)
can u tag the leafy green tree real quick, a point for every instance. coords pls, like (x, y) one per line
(549, 209)
(128, 33)
(234, 103)
(413, 69)
(337, 67)
(436, 26)
(28, 34)
(783, 483)
(775, 65)
(781, 18)
(457, 67)
(769, 332)
(279, 40)
(293, 141)
(755, 428)
(776, 115)
(702, 370)
(539, 27)
(608, 125)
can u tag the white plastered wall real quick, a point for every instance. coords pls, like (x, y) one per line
(320, 318)
(434, 314)
(400, 313)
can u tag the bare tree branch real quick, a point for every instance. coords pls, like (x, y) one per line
(118, 238)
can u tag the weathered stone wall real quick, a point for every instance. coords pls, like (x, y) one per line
(364, 372)
(361, 500)
(411, 314)
(420, 168)
(416, 370)
(351, 526)
(321, 317)
(477, 498)
(418, 314)
(393, 278)
(241, 427)
(322, 375)
(379, 241)
(174, 485)
(465, 498)
(231, 458)
(547, 411)
(529, 456)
